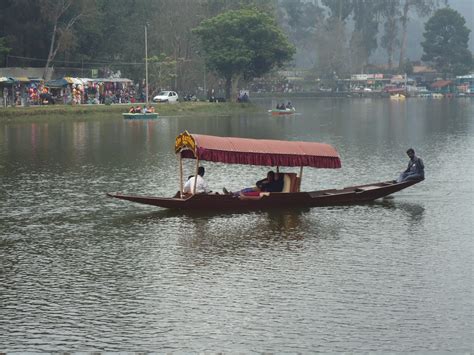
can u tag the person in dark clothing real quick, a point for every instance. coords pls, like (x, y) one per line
(415, 169)
(263, 184)
(272, 183)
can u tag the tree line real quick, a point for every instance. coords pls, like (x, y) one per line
(186, 40)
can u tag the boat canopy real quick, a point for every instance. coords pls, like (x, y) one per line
(264, 152)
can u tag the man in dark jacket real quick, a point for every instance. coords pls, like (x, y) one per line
(415, 169)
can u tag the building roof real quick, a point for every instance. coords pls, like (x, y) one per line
(441, 84)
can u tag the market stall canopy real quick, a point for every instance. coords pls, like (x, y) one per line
(264, 152)
(112, 80)
(57, 83)
(75, 81)
(22, 79)
(6, 80)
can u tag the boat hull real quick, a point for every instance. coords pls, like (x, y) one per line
(282, 112)
(218, 202)
(134, 116)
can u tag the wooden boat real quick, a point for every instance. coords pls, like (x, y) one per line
(134, 116)
(397, 97)
(264, 153)
(287, 111)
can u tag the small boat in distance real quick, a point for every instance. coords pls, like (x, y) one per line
(397, 97)
(141, 114)
(286, 111)
(263, 152)
(133, 116)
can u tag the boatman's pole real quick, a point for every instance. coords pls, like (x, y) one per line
(180, 176)
(301, 178)
(196, 176)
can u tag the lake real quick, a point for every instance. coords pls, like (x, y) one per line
(83, 272)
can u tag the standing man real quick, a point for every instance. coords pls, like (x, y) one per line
(415, 169)
(201, 185)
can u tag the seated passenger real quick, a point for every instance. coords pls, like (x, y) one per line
(131, 110)
(201, 185)
(272, 183)
(276, 185)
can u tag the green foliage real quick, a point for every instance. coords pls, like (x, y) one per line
(162, 70)
(245, 43)
(3, 49)
(407, 67)
(446, 42)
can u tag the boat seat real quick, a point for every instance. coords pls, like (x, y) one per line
(290, 182)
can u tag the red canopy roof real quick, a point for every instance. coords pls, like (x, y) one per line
(441, 84)
(264, 152)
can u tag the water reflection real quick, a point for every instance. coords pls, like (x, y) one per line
(414, 211)
(73, 261)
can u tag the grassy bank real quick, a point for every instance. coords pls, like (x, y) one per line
(83, 111)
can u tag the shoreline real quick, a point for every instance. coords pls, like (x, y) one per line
(81, 111)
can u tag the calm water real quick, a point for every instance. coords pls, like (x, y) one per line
(79, 271)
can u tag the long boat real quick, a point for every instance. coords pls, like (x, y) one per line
(231, 150)
(134, 116)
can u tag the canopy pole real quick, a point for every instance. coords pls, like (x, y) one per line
(180, 175)
(196, 176)
(301, 177)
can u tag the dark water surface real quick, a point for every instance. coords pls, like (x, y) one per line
(79, 271)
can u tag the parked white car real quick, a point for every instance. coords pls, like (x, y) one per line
(166, 96)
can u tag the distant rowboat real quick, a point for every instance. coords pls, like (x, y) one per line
(287, 111)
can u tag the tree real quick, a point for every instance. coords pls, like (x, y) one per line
(300, 19)
(366, 26)
(333, 57)
(243, 43)
(390, 10)
(162, 70)
(62, 14)
(4, 50)
(423, 8)
(446, 42)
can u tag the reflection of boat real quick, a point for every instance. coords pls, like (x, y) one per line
(147, 115)
(286, 111)
(397, 97)
(264, 153)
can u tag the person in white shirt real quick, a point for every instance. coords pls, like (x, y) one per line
(201, 185)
